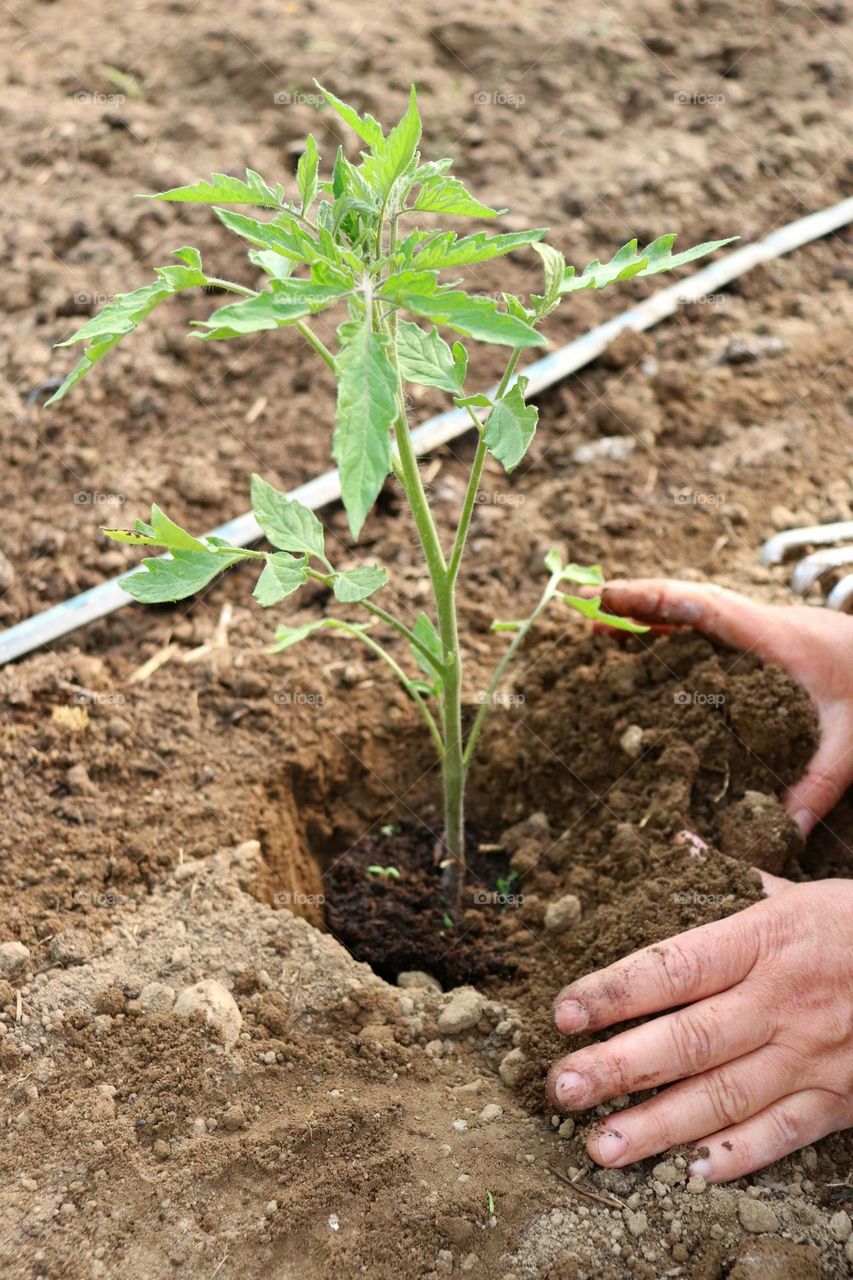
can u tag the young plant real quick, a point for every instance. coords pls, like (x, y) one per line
(384, 873)
(356, 240)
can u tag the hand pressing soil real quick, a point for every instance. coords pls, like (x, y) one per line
(762, 1042)
(763, 1048)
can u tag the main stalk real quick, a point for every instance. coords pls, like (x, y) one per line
(453, 760)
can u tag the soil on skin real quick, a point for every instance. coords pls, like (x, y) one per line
(177, 802)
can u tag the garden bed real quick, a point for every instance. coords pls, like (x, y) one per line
(159, 817)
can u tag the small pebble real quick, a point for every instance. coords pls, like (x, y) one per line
(756, 1216)
(840, 1226)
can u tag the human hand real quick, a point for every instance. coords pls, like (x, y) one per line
(762, 1049)
(815, 646)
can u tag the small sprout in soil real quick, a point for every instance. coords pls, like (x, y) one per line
(447, 920)
(504, 883)
(385, 873)
(390, 829)
(490, 1203)
(356, 239)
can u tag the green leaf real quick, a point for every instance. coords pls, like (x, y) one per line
(366, 410)
(584, 575)
(510, 427)
(425, 358)
(171, 535)
(554, 268)
(306, 172)
(286, 523)
(590, 575)
(359, 583)
(425, 631)
(447, 250)
(478, 401)
(443, 194)
(177, 576)
(275, 264)
(281, 235)
(222, 189)
(285, 302)
(162, 532)
(286, 636)
(122, 315)
(254, 315)
(281, 576)
(368, 129)
(592, 609)
(628, 262)
(354, 210)
(391, 158)
(473, 316)
(433, 169)
(516, 307)
(402, 284)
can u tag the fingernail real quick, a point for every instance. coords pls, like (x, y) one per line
(570, 1015)
(804, 819)
(611, 1146)
(570, 1088)
(700, 1168)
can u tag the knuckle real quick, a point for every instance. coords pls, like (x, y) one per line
(786, 1127)
(693, 1041)
(775, 934)
(613, 1078)
(730, 1100)
(681, 969)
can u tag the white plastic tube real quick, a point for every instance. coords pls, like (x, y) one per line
(57, 621)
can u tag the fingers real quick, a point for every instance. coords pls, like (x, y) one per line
(669, 1048)
(772, 884)
(722, 614)
(829, 772)
(784, 1126)
(686, 1113)
(691, 966)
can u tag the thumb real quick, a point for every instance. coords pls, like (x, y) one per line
(772, 884)
(829, 771)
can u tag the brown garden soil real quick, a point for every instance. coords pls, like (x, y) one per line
(170, 789)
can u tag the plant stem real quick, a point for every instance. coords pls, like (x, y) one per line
(450, 697)
(452, 760)
(518, 640)
(407, 684)
(377, 611)
(470, 499)
(477, 472)
(398, 626)
(319, 346)
(232, 287)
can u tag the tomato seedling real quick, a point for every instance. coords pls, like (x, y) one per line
(384, 873)
(353, 240)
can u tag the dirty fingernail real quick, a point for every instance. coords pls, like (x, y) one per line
(804, 819)
(570, 1088)
(570, 1015)
(611, 1146)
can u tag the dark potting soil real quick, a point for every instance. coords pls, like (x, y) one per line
(406, 922)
